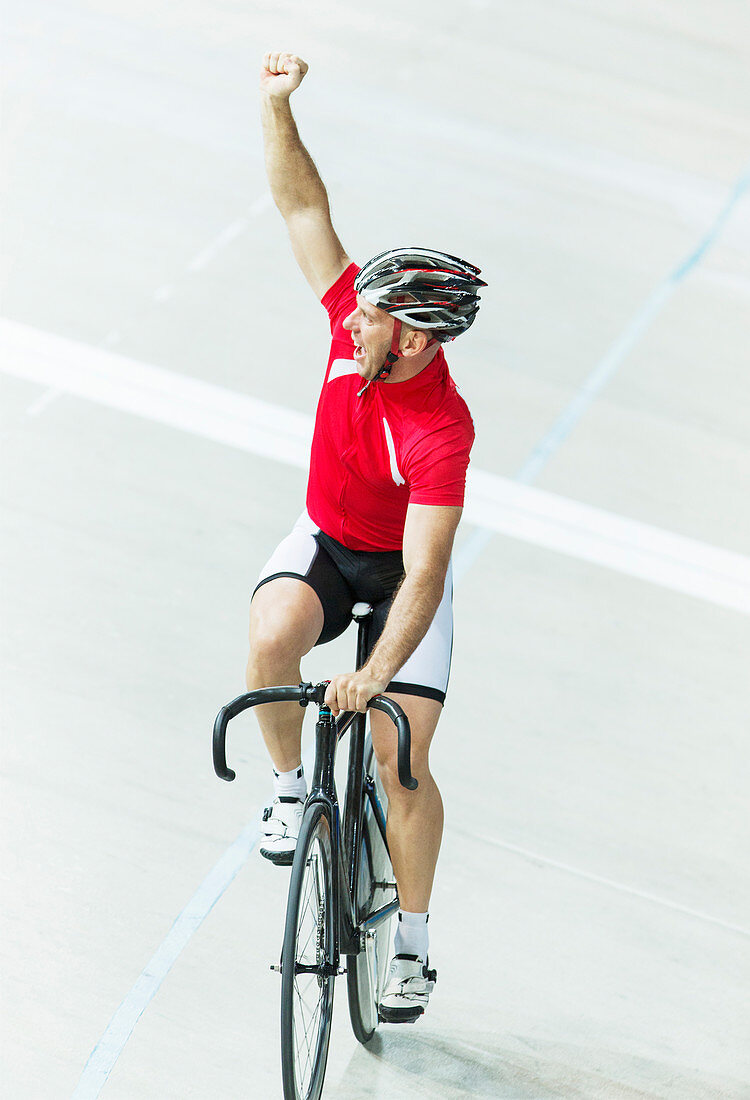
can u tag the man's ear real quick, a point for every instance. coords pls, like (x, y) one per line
(414, 341)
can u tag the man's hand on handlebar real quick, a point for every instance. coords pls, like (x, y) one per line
(352, 691)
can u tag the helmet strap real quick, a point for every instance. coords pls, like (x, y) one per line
(392, 355)
(390, 359)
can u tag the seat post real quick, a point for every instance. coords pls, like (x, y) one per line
(362, 615)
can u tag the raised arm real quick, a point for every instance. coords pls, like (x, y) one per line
(296, 187)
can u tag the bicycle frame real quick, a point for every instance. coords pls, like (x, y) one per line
(325, 890)
(328, 732)
(346, 854)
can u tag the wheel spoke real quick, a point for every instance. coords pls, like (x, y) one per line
(365, 977)
(308, 993)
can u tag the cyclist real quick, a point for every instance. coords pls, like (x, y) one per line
(385, 492)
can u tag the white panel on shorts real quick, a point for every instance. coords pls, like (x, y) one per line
(295, 553)
(430, 663)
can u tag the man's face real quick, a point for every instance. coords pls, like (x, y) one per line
(372, 331)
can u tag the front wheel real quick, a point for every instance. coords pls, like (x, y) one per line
(366, 972)
(307, 973)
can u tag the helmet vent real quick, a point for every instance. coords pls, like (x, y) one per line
(425, 288)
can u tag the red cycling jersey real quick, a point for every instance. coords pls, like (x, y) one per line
(399, 443)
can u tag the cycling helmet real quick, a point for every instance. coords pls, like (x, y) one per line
(423, 288)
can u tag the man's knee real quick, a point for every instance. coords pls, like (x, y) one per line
(272, 646)
(387, 758)
(285, 622)
(423, 715)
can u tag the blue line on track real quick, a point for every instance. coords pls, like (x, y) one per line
(605, 369)
(106, 1052)
(119, 1029)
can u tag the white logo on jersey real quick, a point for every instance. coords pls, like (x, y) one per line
(341, 367)
(395, 472)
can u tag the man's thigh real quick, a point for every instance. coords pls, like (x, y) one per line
(300, 585)
(286, 616)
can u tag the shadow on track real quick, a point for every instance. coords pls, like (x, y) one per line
(510, 1067)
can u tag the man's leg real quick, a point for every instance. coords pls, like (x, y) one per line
(415, 828)
(286, 619)
(415, 818)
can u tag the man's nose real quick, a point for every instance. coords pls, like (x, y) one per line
(349, 322)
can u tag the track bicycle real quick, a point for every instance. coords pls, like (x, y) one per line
(342, 896)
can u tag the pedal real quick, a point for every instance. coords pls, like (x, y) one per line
(276, 968)
(397, 1020)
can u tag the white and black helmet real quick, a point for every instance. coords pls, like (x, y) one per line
(424, 288)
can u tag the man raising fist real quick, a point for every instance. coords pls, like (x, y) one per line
(384, 497)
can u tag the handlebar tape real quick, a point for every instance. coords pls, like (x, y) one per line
(303, 694)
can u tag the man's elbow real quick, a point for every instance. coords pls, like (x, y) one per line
(309, 209)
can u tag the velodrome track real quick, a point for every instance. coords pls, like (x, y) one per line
(159, 364)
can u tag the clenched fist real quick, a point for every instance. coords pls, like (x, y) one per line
(281, 74)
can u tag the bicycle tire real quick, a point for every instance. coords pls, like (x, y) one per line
(366, 972)
(307, 996)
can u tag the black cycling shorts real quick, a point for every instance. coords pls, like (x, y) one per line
(342, 577)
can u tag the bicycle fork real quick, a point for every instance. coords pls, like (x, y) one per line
(323, 792)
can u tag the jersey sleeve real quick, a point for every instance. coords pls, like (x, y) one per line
(435, 466)
(340, 300)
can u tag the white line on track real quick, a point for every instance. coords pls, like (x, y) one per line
(167, 290)
(234, 230)
(605, 539)
(495, 504)
(40, 404)
(605, 369)
(534, 857)
(163, 293)
(204, 257)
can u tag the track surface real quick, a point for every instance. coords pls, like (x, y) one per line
(591, 921)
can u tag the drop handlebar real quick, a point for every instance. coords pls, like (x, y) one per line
(304, 694)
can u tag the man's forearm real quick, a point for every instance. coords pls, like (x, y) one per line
(408, 621)
(292, 175)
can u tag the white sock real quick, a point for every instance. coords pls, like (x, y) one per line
(412, 937)
(290, 784)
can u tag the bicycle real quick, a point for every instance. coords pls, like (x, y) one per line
(342, 896)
